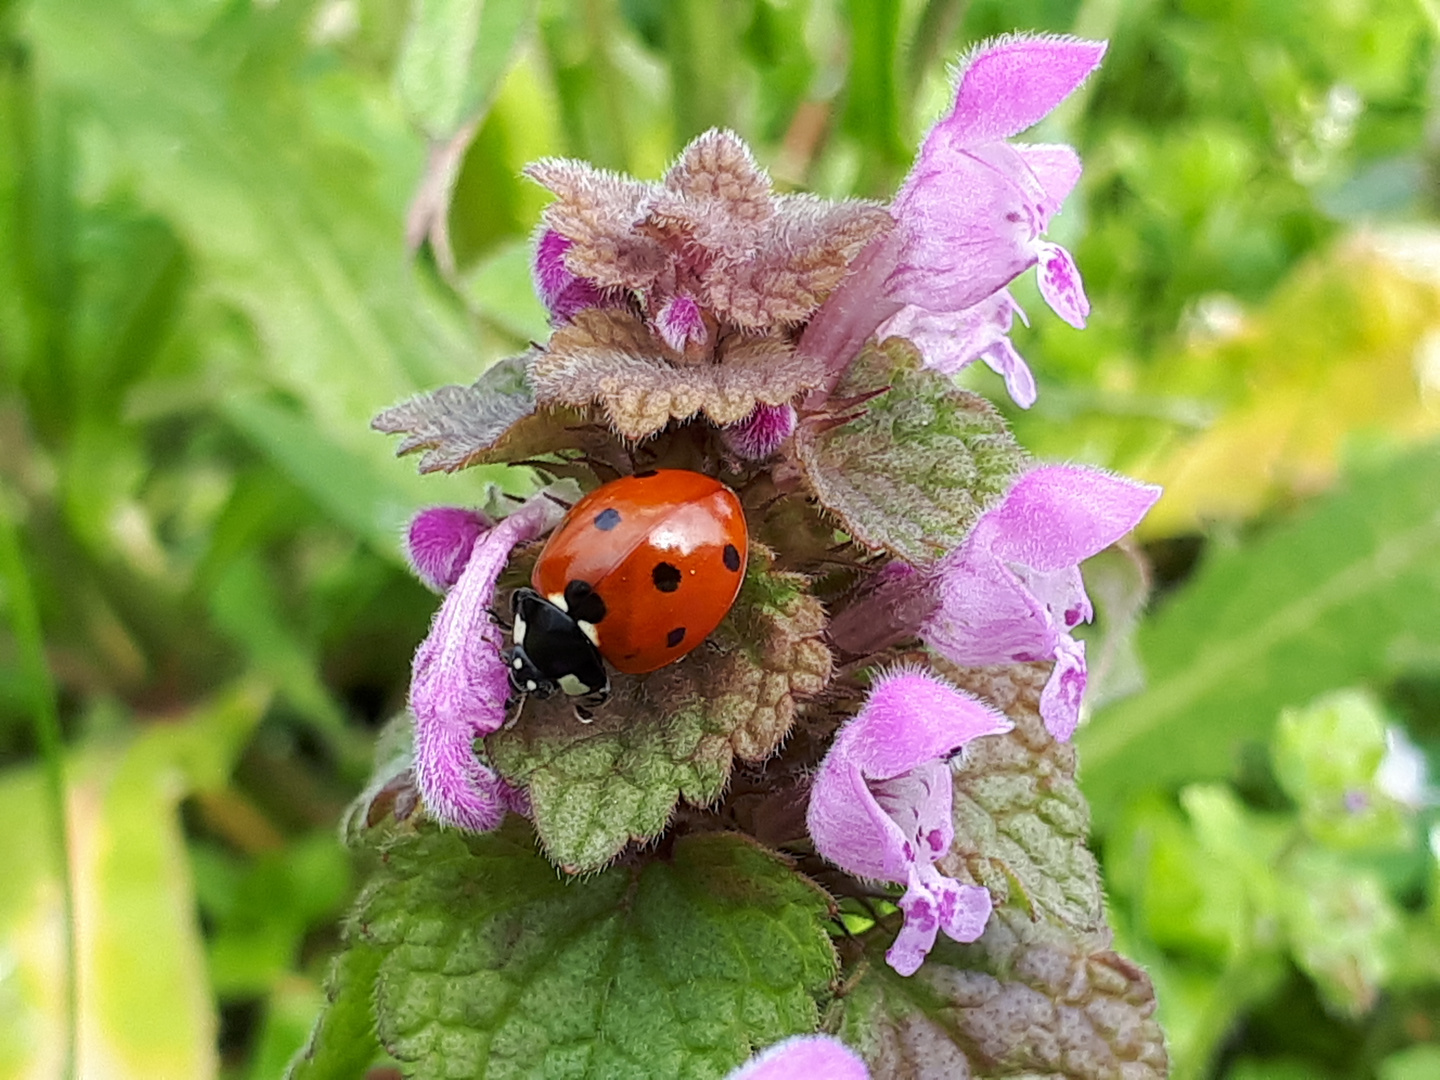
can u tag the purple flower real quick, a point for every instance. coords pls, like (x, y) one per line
(459, 685)
(949, 342)
(680, 322)
(1012, 591)
(804, 1057)
(439, 542)
(760, 434)
(970, 218)
(880, 804)
(562, 292)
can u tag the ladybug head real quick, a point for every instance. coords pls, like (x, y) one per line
(552, 653)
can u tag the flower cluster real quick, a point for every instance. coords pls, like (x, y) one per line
(705, 322)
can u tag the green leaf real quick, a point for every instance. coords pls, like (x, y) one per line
(343, 1044)
(1343, 928)
(494, 966)
(391, 788)
(375, 502)
(145, 1002)
(1028, 999)
(1021, 824)
(291, 225)
(672, 734)
(924, 461)
(455, 53)
(1328, 758)
(1348, 592)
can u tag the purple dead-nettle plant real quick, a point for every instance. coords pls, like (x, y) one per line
(885, 709)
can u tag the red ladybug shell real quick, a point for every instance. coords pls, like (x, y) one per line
(665, 553)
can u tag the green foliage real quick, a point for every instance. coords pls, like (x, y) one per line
(919, 467)
(492, 965)
(1233, 894)
(207, 289)
(343, 1042)
(1330, 598)
(454, 55)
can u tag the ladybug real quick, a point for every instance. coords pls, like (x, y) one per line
(639, 573)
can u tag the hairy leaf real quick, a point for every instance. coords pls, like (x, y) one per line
(924, 461)
(608, 357)
(671, 734)
(1349, 591)
(1028, 999)
(1021, 824)
(494, 966)
(492, 420)
(391, 791)
(342, 1043)
(454, 55)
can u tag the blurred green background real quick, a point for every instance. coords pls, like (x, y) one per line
(233, 230)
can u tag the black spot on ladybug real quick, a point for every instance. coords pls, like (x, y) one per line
(647, 474)
(732, 558)
(675, 636)
(583, 603)
(666, 577)
(607, 519)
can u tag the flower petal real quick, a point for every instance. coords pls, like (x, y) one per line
(1056, 516)
(1060, 700)
(984, 613)
(1057, 169)
(679, 322)
(1061, 286)
(881, 801)
(968, 218)
(1010, 84)
(804, 1057)
(916, 938)
(951, 340)
(459, 685)
(458, 789)
(912, 717)
(760, 434)
(439, 542)
(563, 292)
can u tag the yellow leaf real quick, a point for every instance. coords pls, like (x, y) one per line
(1347, 347)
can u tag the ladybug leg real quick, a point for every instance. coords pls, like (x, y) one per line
(500, 621)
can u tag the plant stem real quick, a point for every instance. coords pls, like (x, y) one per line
(25, 623)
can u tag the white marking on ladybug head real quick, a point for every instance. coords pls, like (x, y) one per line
(517, 631)
(588, 629)
(530, 685)
(558, 599)
(517, 663)
(573, 686)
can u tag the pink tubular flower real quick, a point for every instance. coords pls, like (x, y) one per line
(1013, 592)
(459, 685)
(880, 804)
(439, 542)
(804, 1057)
(761, 433)
(679, 322)
(562, 292)
(969, 219)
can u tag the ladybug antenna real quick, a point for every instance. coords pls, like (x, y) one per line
(562, 503)
(519, 708)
